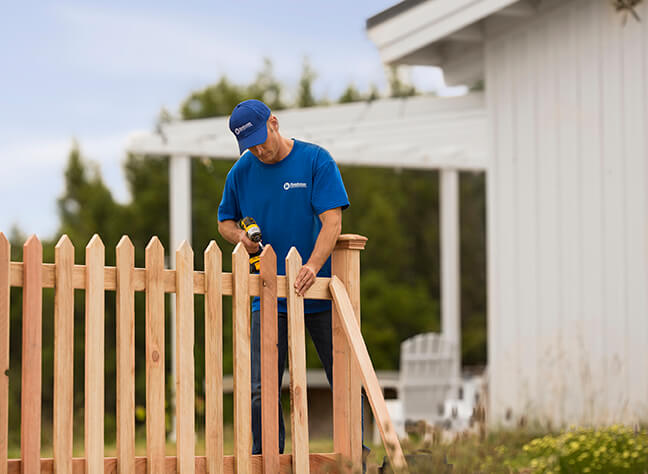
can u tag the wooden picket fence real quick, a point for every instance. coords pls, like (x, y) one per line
(351, 362)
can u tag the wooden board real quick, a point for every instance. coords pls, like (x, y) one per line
(63, 356)
(297, 359)
(372, 387)
(32, 346)
(319, 463)
(94, 356)
(319, 290)
(5, 258)
(125, 342)
(185, 383)
(269, 358)
(241, 348)
(213, 359)
(155, 422)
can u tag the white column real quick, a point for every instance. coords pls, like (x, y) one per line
(180, 218)
(450, 294)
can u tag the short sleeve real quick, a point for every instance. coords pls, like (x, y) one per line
(328, 188)
(229, 208)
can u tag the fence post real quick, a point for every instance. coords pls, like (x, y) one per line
(347, 418)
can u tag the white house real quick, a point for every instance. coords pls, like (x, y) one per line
(566, 93)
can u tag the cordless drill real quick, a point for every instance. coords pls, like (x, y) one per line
(253, 232)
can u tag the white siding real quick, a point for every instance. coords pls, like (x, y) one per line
(568, 217)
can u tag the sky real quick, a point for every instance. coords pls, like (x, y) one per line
(95, 72)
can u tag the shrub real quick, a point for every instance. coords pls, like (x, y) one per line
(616, 449)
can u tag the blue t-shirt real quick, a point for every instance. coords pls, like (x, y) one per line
(286, 199)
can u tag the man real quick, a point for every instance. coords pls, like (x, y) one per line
(294, 191)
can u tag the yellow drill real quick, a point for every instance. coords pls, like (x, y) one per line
(253, 232)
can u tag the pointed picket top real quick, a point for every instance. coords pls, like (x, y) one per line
(212, 249)
(95, 243)
(32, 242)
(184, 249)
(293, 256)
(125, 244)
(268, 252)
(4, 242)
(154, 244)
(239, 250)
(64, 243)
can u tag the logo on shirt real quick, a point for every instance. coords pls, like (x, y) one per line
(288, 185)
(243, 127)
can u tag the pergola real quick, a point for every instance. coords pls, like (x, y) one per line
(422, 132)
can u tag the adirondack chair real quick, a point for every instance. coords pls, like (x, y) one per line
(425, 382)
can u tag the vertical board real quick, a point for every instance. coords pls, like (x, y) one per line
(155, 415)
(614, 217)
(361, 355)
(592, 372)
(269, 358)
(241, 348)
(526, 218)
(633, 51)
(341, 373)
(297, 359)
(125, 342)
(569, 214)
(214, 359)
(185, 383)
(94, 356)
(494, 409)
(63, 356)
(5, 264)
(32, 346)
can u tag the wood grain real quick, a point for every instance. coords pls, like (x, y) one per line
(213, 359)
(94, 356)
(5, 259)
(319, 463)
(155, 377)
(32, 346)
(185, 383)
(269, 361)
(63, 356)
(297, 359)
(241, 347)
(319, 290)
(372, 387)
(125, 342)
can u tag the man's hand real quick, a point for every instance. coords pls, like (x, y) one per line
(305, 279)
(250, 246)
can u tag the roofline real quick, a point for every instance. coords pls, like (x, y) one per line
(391, 12)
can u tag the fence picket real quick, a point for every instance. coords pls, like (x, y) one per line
(214, 359)
(297, 360)
(32, 345)
(63, 356)
(125, 342)
(155, 416)
(241, 348)
(185, 383)
(269, 358)
(5, 259)
(94, 356)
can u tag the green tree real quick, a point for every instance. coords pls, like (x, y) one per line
(397, 87)
(305, 97)
(350, 94)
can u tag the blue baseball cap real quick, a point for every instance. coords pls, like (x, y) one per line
(248, 123)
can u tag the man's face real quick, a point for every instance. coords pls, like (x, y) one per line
(268, 151)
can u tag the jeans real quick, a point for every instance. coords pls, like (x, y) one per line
(319, 328)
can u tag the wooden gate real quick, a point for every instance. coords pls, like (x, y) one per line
(351, 362)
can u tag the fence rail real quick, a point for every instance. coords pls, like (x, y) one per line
(95, 278)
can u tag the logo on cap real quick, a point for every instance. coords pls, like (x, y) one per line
(238, 130)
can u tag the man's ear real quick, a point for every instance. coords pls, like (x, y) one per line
(274, 123)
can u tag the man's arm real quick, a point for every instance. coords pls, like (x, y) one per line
(324, 245)
(231, 232)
